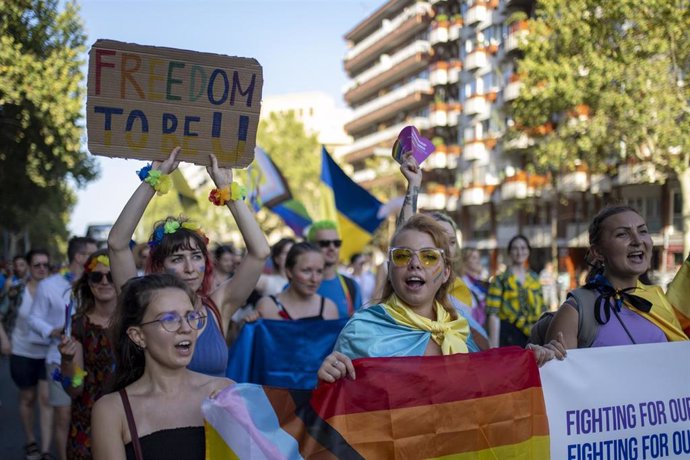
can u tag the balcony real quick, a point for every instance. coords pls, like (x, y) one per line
(477, 105)
(439, 197)
(475, 150)
(454, 111)
(512, 90)
(444, 157)
(454, 71)
(365, 145)
(438, 74)
(455, 28)
(477, 59)
(407, 61)
(392, 32)
(477, 13)
(439, 32)
(517, 32)
(438, 114)
(476, 194)
(515, 187)
(403, 98)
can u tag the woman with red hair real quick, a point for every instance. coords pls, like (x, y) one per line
(178, 246)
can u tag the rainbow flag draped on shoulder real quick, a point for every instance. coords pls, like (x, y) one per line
(465, 406)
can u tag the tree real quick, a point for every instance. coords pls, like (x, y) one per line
(41, 151)
(606, 82)
(298, 156)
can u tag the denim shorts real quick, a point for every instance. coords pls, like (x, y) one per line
(26, 372)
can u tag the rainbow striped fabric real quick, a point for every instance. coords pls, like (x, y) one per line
(466, 406)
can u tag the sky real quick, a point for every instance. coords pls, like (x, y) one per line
(300, 45)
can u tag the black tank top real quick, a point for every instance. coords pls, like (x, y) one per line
(187, 443)
(285, 315)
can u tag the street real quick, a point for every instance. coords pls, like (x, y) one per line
(11, 433)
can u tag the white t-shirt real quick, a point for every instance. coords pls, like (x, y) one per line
(26, 342)
(48, 312)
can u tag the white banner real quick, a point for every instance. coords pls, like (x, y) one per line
(616, 403)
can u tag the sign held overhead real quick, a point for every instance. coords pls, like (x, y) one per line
(145, 100)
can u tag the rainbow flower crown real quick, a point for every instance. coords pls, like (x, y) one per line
(102, 259)
(172, 225)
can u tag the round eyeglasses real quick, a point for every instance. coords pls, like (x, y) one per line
(172, 322)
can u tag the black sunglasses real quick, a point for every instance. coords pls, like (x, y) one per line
(326, 243)
(97, 277)
(41, 264)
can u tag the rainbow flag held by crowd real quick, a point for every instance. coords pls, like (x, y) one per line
(465, 406)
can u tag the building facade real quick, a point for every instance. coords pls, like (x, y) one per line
(449, 68)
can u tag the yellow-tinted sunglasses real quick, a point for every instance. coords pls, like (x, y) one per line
(403, 256)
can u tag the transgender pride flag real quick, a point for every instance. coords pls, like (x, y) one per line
(468, 406)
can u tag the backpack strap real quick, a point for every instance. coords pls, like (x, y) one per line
(587, 326)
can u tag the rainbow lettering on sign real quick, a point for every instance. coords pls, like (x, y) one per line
(153, 99)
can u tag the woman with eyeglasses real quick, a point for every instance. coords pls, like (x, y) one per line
(87, 358)
(459, 292)
(304, 267)
(179, 246)
(155, 408)
(416, 317)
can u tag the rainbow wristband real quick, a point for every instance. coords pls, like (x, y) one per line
(160, 182)
(221, 196)
(75, 381)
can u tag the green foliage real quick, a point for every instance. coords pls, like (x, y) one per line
(622, 66)
(40, 117)
(297, 155)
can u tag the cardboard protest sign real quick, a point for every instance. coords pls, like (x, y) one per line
(145, 100)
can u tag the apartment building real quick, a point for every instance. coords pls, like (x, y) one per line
(449, 68)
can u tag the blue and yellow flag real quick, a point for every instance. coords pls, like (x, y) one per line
(356, 209)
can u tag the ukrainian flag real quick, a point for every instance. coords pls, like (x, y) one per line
(356, 209)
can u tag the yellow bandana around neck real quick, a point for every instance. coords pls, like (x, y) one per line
(450, 334)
